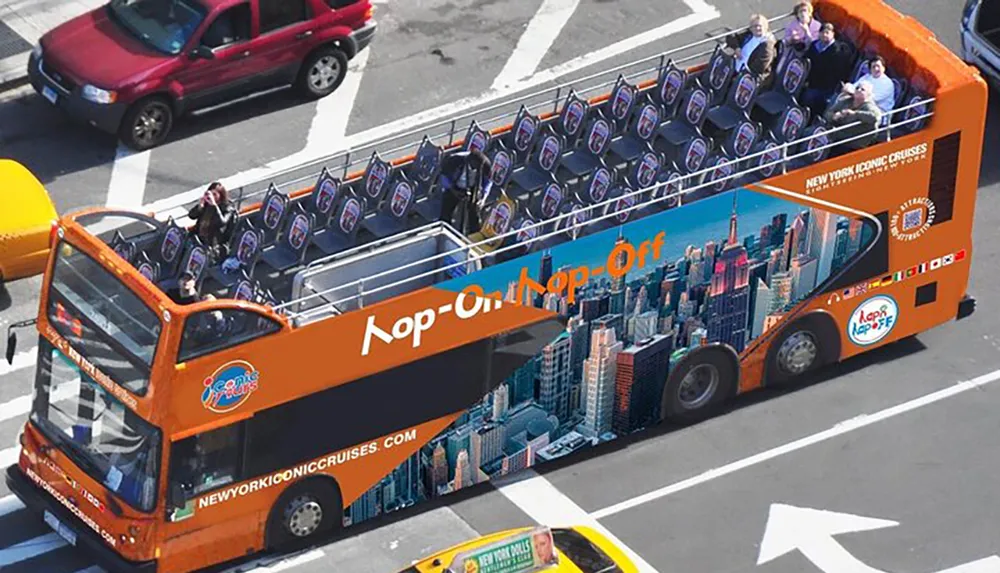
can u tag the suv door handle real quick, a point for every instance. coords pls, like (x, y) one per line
(242, 55)
(303, 35)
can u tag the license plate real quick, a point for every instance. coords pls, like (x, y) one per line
(49, 94)
(66, 533)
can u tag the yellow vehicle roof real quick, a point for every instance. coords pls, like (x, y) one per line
(24, 202)
(444, 558)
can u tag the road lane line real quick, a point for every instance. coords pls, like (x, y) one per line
(30, 548)
(702, 12)
(9, 504)
(21, 360)
(538, 498)
(839, 429)
(128, 178)
(9, 457)
(333, 113)
(91, 569)
(542, 31)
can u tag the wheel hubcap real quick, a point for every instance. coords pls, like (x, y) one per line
(150, 123)
(698, 386)
(324, 72)
(303, 516)
(797, 353)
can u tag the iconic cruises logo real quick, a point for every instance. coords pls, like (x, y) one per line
(230, 386)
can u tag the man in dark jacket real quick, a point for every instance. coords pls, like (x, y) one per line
(830, 66)
(462, 175)
(854, 105)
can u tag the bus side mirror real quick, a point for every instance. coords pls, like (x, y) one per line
(178, 496)
(11, 346)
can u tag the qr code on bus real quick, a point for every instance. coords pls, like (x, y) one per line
(913, 219)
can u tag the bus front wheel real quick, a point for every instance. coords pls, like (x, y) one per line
(700, 383)
(304, 511)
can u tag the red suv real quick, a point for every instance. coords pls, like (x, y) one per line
(132, 66)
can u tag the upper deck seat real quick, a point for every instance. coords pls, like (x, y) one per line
(522, 136)
(424, 171)
(573, 222)
(687, 124)
(641, 173)
(573, 117)
(668, 191)
(739, 101)
(717, 75)
(719, 177)
(290, 249)
(787, 126)
(690, 157)
(147, 267)
(907, 119)
(589, 154)
(815, 148)
(342, 230)
(645, 118)
(768, 163)
(325, 194)
(170, 244)
(594, 187)
(619, 105)
(195, 260)
(394, 211)
(791, 80)
(542, 164)
(668, 90)
(375, 182)
(243, 288)
(126, 249)
(245, 246)
(502, 163)
(617, 209)
(270, 218)
(543, 205)
(520, 242)
(476, 138)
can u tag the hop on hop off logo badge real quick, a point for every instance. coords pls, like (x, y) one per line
(873, 320)
(230, 386)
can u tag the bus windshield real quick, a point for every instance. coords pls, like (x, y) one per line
(104, 438)
(102, 319)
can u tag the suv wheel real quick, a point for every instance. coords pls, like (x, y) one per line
(322, 72)
(147, 123)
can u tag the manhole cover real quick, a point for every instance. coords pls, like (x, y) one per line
(10, 43)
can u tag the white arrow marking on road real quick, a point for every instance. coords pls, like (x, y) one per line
(988, 565)
(811, 531)
(538, 37)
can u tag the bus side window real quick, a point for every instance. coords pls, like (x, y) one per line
(213, 330)
(207, 461)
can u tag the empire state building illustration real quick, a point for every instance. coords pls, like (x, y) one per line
(729, 292)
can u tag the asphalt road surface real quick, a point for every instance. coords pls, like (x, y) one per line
(885, 462)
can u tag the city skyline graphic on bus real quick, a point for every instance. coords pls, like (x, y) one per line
(730, 267)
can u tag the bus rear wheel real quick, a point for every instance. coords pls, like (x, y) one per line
(804, 346)
(304, 512)
(700, 383)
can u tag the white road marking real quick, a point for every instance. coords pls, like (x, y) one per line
(128, 178)
(850, 425)
(30, 548)
(537, 497)
(329, 124)
(702, 12)
(9, 456)
(986, 565)
(538, 37)
(289, 563)
(9, 504)
(21, 405)
(22, 359)
(92, 569)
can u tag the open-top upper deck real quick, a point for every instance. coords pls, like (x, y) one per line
(567, 161)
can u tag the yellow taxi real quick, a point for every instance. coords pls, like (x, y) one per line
(576, 549)
(26, 218)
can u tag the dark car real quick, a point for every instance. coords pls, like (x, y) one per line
(131, 67)
(980, 34)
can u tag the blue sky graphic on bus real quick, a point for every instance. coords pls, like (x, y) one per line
(723, 269)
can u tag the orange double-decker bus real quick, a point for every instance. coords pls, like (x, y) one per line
(647, 253)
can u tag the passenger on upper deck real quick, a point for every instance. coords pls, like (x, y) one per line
(883, 90)
(214, 216)
(804, 30)
(830, 66)
(187, 290)
(462, 174)
(755, 50)
(852, 105)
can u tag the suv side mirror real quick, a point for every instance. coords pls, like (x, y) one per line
(202, 52)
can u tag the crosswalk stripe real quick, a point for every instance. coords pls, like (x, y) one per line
(9, 504)
(30, 548)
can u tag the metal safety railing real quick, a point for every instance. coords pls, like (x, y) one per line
(472, 251)
(447, 131)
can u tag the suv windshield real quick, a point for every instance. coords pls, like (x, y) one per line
(585, 555)
(103, 437)
(166, 25)
(103, 320)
